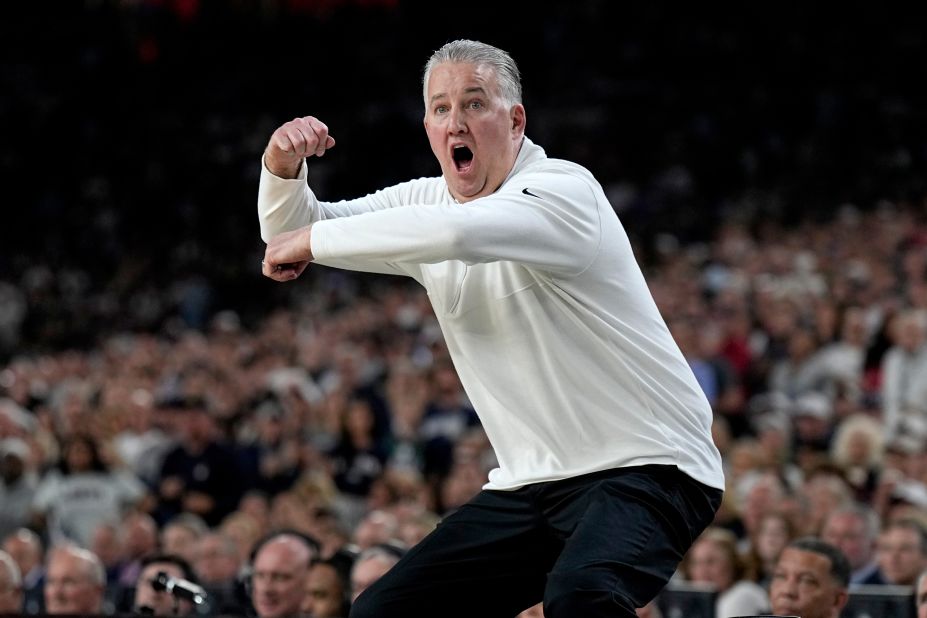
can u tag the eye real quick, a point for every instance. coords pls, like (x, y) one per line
(441, 109)
(476, 105)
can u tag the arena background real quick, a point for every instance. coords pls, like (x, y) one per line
(132, 130)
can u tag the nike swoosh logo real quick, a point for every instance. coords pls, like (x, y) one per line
(526, 192)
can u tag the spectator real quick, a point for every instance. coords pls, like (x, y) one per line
(904, 375)
(140, 539)
(83, 493)
(279, 572)
(26, 549)
(199, 475)
(328, 588)
(371, 565)
(179, 536)
(902, 552)
(714, 560)
(854, 530)
(157, 601)
(216, 560)
(75, 582)
(775, 532)
(18, 482)
(857, 450)
(810, 580)
(11, 588)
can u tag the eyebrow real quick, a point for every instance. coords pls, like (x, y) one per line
(469, 90)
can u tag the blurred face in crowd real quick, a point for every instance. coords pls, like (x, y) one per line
(25, 550)
(802, 585)
(215, 559)
(474, 133)
(847, 532)
(178, 540)
(772, 537)
(901, 556)
(279, 579)
(160, 601)
(324, 592)
(72, 585)
(710, 564)
(365, 572)
(11, 592)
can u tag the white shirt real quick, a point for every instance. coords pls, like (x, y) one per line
(546, 314)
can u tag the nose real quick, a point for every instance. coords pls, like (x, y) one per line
(457, 123)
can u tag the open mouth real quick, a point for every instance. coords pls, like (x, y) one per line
(463, 158)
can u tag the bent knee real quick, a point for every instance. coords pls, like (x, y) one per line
(581, 593)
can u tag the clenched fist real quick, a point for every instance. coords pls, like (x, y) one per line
(294, 141)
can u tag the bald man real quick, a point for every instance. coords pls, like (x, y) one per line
(75, 582)
(281, 566)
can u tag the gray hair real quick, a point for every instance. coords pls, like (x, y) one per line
(14, 577)
(868, 516)
(93, 567)
(481, 54)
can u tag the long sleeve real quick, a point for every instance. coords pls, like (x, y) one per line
(554, 227)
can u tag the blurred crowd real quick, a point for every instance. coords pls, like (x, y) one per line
(163, 410)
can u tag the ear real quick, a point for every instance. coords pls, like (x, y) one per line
(518, 120)
(841, 598)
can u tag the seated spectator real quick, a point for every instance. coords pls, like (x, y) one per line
(11, 588)
(857, 450)
(156, 600)
(75, 582)
(200, 475)
(376, 527)
(83, 493)
(179, 536)
(279, 571)
(216, 560)
(140, 539)
(810, 580)
(854, 530)
(328, 587)
(714, 560)
(26, 549)
(776, 530)
(371, 565)
(902, 552)
(18, 482)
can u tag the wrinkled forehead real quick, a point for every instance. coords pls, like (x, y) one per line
(450, 78)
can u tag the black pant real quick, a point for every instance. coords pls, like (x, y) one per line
(596, 545)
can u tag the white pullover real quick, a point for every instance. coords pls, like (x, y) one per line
(546, 314)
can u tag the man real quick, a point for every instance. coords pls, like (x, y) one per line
(326, 591)
(854, 530)
(18, 482)
(200, 475)
(902, 552)
(279, 573)
(372, 564)
(11, 588)
(594, 415)
(26, 549)
(810, 580)
(75, 582)
(156, 600)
